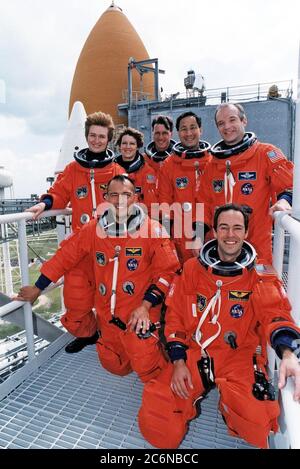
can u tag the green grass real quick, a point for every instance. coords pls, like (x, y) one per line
(8, 329)
(53, 308)
(45, 247)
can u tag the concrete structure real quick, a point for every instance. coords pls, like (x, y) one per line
(272, 120)
(101, 73)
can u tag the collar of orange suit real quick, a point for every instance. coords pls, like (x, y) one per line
(209, 258)
(131, 225)
(221, 150)
(88, 159)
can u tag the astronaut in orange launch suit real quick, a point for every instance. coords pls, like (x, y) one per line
(213, 313)
(82, 184)
(180, 179)
(135, 165)
(247, 172)
(133, 266)
(160, 148)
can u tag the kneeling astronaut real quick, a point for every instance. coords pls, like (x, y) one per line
(214, 311)
(134, 265)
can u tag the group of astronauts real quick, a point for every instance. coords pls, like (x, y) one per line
(212, 276)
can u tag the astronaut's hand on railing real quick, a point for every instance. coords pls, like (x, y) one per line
(281, 205)
(28, 293)
(290, 366)
(36, 210)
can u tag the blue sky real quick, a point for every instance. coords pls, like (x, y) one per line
(230, 43)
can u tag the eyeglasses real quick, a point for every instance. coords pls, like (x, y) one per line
(114, 195)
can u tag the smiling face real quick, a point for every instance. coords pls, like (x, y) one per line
(97, 138)
(189, 133)
(121, 195)
(230, 234)
(161, 137)
(128, 147)
(230, 124)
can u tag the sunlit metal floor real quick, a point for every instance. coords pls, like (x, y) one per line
(71, 402)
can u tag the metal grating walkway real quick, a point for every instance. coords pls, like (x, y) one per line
(71, 402)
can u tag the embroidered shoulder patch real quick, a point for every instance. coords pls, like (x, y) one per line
(133, 252)
(274, 156)
(239, 295)
(201, 302)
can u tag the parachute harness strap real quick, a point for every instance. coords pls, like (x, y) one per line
(214, 302)
(113, 298)
(92, 179)
(229, 183)
(197, 176)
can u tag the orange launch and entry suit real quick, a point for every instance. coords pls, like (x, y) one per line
(179, 182)
(253, 177)
(82, 184)
(156, 158)
(217, 316)
(142, 266)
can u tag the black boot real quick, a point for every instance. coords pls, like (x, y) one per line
(81, 342)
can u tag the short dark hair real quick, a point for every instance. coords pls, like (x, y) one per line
(238, 106)
(226, 208)
(136, 134)
(163, 120)
(121, 178)
(188, 114)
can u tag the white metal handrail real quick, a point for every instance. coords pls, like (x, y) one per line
(15, 217)
(14, 305)
(285, 222)
(21, 219)
(289, 408)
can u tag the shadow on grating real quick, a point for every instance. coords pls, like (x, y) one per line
(72, 402)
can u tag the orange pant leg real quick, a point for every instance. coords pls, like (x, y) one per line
(111, 352)
(245, 416)
(113, 358)
(146, 356)
(163, 416)
(79, 291)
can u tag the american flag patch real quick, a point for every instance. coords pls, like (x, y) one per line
(275, 156)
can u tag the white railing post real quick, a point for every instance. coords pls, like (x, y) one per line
(296, 188)
(293, 277)
(63, 229)
(292, 226)
(25, 281)
(291, 414)
(21, 218)
(278, 245)
(290, 410)
(294, 257)
(6, 260)
(60, 228)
